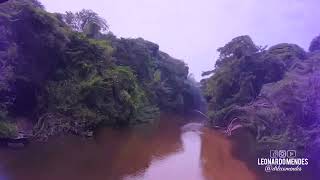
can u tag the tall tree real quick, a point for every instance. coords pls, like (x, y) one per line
(86, 21)
(315, 44)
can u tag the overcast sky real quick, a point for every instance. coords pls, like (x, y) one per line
(192, 30)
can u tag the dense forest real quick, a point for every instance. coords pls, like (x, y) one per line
(271, 92)
(67, 73)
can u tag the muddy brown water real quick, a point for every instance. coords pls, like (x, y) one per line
(173, 148)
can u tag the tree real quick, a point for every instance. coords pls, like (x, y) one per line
(315, 44)
(237, 48)
(86, 21)
(241, 71)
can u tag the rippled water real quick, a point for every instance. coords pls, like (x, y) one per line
(174, 148)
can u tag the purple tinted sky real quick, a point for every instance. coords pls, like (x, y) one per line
(192, 30)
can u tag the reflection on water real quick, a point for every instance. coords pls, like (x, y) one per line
(181, 165)
(171, 149)
(218, 161)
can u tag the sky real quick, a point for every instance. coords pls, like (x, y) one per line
(192, 30)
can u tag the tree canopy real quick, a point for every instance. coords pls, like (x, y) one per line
(315, 44)
(241, 71)
(86, 21)
(70, 76)
(271, 93)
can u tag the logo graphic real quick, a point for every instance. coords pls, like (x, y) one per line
(274, 153)
(282, 153)
(291, 153)
(268, 168)
(283, 161)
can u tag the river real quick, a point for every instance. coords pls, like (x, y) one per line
(173, 148)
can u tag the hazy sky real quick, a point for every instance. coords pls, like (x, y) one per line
(192, 30)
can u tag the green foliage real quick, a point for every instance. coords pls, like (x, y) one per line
(138, 54)
(157, 76)
(273, 93)
(90, 88)
(76, 77)
(86, 21)
(163, 78)
(111, 98)
(41, 49)
(315, 44)
(3, 115)
(6, 129)
(238, 47)
(82, 87)
(240, 75)
(289, 54)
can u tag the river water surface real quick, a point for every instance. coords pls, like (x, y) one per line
(173, 148)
